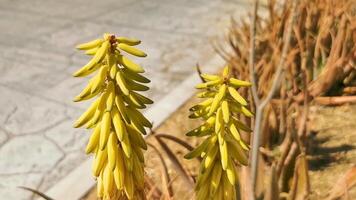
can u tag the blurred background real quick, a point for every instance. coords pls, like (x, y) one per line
(38, 145)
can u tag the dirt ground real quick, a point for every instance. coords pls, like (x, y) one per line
(332, 149)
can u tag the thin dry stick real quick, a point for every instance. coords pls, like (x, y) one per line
(303, 121)
(261, 106)
(165, 175)
(339, 100)
(44, 196)
(252, 53)
(153, 191)
(176, 140)
(179, 168)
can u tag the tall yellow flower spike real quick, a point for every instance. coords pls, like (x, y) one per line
(223, 147)
(117, 125)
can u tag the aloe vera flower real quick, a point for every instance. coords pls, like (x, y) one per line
(115, 120)
(223, 149)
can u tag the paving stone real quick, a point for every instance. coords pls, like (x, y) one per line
(9, 185)
(22, 26)
(21, 113)
(154, 15)
(3, 137)
(65, 91)
(78, 9)
(36, 54)
(68, 138)
(67, 164)
(67, 37)
(27, 154)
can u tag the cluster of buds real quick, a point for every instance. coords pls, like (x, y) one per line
(223, 147)
(118, 126)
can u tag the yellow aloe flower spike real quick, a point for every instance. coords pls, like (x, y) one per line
(223, 147)
(118, 126)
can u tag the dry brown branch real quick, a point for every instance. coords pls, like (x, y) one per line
(333, 101)
(349, 90)
(252, 53)
(303, 118)
(153, 191)
(284, 149)
(275, 85)
(266, 152)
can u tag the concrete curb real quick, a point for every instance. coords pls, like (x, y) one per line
(78, 182)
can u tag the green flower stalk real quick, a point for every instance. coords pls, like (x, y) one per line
(223, 147)
(118, 126)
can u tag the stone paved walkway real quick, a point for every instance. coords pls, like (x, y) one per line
(38, 145)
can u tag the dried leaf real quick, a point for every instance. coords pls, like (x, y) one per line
(345, 182)
(272, 192)
(300, 186)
